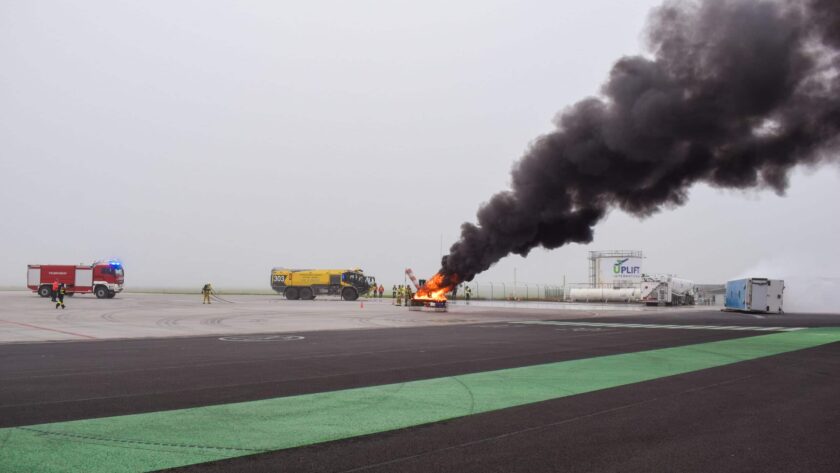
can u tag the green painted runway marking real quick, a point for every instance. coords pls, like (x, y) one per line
(143, 442)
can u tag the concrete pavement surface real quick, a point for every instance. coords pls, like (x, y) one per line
(26, 317)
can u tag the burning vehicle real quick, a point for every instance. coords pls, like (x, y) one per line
(431, 296)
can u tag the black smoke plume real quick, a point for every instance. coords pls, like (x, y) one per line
(735, 93)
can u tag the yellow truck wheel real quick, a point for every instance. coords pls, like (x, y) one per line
(349, 294)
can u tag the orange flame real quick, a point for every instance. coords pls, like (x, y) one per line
(436, 288)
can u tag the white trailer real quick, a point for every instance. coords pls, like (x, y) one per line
(755, 295)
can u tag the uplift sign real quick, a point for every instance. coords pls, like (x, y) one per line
(622, 269)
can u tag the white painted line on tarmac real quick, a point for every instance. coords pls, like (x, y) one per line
(670, 326)
(261, 338)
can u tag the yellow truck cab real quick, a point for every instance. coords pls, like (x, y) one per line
(307, 283)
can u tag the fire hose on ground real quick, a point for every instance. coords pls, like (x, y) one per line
(217, 298)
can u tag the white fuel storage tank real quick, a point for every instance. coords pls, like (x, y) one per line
(624, 294)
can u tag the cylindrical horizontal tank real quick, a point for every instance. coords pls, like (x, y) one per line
(624, 294)
(681, 286)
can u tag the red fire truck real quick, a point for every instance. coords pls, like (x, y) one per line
(103, 278)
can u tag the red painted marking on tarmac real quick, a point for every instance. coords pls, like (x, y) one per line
(49, 329)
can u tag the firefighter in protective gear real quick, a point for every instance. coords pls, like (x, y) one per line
(408, 295)
(467, 294)
(381, 290)
(207, 290)
(394, 292)
(59, 296)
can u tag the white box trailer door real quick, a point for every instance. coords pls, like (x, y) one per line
(33, 277)
(84, 277)
(775, 291)
(759, 295)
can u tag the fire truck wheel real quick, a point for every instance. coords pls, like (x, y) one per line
(306, 294)
(349, 294)
(291, 294)
(101, 292)
(111, 294)
(44, 291)
(70, 294)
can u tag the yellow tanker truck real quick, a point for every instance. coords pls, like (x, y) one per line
(307, 283)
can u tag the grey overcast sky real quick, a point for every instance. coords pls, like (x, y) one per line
(210, 141)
